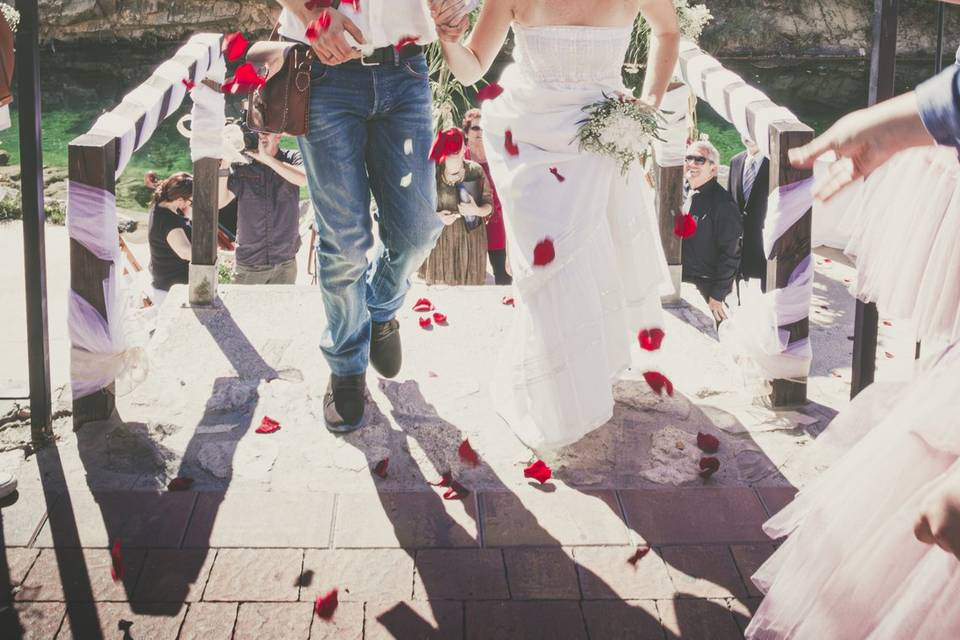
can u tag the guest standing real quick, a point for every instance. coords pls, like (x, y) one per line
(169, 234)
(496, 233)
(463, 202)
(711, 256)
(749, 186)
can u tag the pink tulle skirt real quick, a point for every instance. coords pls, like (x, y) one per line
(851, 567)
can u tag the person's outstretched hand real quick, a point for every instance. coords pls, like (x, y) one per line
(330, 44)
(863, 141)
(939, 519)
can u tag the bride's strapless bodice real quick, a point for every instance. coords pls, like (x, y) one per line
(571, 54)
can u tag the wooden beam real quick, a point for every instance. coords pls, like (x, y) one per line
(792, 248)
(203, 260)
(27, 67)
(92, 160)
(669, 202)
(883, 63)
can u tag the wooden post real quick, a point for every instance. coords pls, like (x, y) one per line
(792, 248)
(93, 160)
(34, 218)
(669, 201)
(883, 62)
(203, 259)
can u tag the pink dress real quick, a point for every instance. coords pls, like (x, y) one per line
(850, 567)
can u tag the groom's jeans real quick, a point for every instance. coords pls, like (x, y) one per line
(370, 131)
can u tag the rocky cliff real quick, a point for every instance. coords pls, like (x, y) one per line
(742, 27)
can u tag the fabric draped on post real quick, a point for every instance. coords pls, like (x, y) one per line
(669, 151)
(110, 349)
(103, 349)
(754, 335)
(208, 115)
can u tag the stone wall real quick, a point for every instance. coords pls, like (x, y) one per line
(742, 27)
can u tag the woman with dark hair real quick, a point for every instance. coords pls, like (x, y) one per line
(463, 202)
(169, 234)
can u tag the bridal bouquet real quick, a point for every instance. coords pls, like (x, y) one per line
(619, 128)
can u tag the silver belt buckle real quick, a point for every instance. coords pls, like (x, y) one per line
(363, 61)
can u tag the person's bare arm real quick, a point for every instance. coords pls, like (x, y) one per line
(178, 241)
(863, 141)
(471, 60)
(293, 174)
(330, 46)
(224, 195)
(664, 49)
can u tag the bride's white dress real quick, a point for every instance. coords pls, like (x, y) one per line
(577, 317)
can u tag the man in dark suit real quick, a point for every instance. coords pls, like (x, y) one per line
(749, 184)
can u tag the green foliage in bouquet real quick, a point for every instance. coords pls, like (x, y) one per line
(692, 18)
(620, 129)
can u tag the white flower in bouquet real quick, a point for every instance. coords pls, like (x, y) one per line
(619, 128)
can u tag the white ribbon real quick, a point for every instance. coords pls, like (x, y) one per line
(206, 137)
(670, 152)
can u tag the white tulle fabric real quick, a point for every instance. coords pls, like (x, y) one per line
(851, 567)
(909, 208)
(577, 317)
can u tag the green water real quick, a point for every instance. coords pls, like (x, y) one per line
(79, 85)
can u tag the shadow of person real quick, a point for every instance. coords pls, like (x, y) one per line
(156, 521)
(694, 317)
(419, 421)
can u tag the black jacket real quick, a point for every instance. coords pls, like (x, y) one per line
(712, 254)
(753, 264)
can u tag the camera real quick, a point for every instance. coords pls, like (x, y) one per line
(251, 140)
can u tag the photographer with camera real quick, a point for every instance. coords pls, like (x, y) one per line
(267, 191)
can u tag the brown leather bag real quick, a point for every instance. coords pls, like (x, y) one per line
(282, 104)
(6, 62)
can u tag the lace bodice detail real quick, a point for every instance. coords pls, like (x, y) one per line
(571, 54)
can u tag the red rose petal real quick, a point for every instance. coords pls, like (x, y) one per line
(405, 41)
(425, 322)
(490, 92)
(116, 562)
(658, 382)
(887, 323)
(234, 46)
(456, 491)
(326, 605)
(708, 467)
(245, 79)
(444, 480)
(508, 301)
(422, 305)
(381, 468)
(268, 425)
(638, 555)
(467, 454)
(355, 3)
(440, 318)
(707, 442)
(543, 253)
(188, 83)
(827, 260)
(448, 142)
(556, 174)
(650, 339)
(509, 145)
(180, 484)
(887, 354)
(539, 471)
(684, 226)
(318, 26)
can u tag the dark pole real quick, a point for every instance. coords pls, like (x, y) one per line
(883, 62)
(938, 64)
(31, 190)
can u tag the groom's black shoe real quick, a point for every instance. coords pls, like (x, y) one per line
(385, 352)
(344, 402)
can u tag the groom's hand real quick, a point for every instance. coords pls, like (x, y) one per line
(451, 17)
(330, 45)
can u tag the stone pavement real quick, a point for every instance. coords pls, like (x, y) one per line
(274, 520)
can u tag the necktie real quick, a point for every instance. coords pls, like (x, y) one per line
(749, 175)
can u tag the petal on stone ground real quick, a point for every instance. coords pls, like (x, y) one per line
(539, 471)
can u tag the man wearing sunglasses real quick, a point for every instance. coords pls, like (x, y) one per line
(711, 256)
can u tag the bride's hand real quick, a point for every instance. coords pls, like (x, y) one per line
(645, 104)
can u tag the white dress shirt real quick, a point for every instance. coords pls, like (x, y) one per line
(382, 22)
